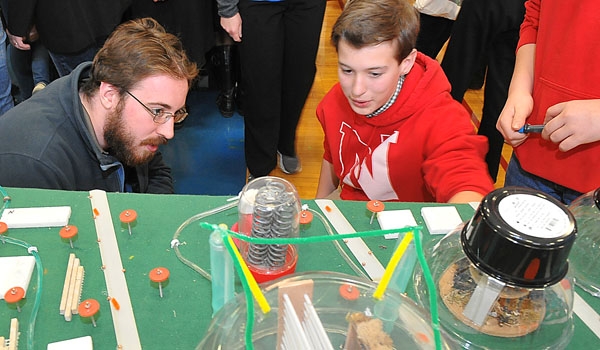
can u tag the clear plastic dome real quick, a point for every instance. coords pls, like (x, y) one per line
(502, 279)
(584, 258)
(269, 207)
(342, 302)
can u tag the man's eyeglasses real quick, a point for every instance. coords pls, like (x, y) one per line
(159, 115)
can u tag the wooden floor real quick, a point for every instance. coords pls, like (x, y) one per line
(309, 144)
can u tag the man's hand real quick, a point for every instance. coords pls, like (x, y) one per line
(18, 41)
(233, 26)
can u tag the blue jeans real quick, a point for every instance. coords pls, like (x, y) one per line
(6, 100)
(40, 64)
(516, 176)
(29, 67)
(65, 63)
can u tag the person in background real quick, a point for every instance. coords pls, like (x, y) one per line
(101, 126)
(435, 24)
(278, 48)
(392, 130)
(30, 65)
(485, 33)
(190, 20)
(71, 30)
(435, 28)
(554, 84)
(6, 100)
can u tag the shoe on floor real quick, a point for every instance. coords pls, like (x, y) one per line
(38, 87)
(289, 164)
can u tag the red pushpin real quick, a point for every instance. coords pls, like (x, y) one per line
(3, 230)
(14, 296)
(159, 275)
(127, 217)
(68, 232)
(306, 217)
(375, 206)
(89, 308)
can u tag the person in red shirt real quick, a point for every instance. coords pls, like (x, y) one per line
(392, 130)
(554, 84)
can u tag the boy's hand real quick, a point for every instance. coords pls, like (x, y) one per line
(572, 123)
(517, 109)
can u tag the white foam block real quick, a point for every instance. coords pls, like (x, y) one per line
(391, 219)
(15, 271)
(440, 220)
(36, 217)
(81, 343)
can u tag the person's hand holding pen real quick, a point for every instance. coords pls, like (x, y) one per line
(572, 123)
(512, 118)
(519, 103)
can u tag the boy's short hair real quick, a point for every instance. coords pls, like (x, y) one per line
(135, 50)
(371, 22)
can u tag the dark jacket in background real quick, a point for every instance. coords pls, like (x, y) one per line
(65, 26)
(191, 20)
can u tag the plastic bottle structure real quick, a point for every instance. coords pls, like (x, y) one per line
(269, 208)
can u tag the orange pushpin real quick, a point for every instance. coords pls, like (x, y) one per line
(14, 296)
(159, 275)
(68, 232)
(3, 230)
(306, 217)
(375, 206)
(127, 217)
(89, 308)
(349, 292)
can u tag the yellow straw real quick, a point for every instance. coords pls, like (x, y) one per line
(254, 288)
(389, 270)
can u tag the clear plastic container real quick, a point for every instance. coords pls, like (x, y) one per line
(585, 255)
(502, 278)
(341, 301)
(269, 207)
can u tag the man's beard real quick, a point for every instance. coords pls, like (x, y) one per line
(121, 143)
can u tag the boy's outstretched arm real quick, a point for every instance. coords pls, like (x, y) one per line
(328, 181)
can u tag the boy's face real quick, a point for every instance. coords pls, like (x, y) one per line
(368, 75)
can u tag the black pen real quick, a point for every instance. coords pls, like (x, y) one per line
(528, 128)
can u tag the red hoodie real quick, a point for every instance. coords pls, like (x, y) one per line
(567, 38)
(422, 149)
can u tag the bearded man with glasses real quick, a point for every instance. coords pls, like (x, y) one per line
(101, 126)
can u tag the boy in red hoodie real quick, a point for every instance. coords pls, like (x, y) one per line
(555, 83)
(392, 130)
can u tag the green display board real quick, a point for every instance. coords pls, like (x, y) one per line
(180, 318)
